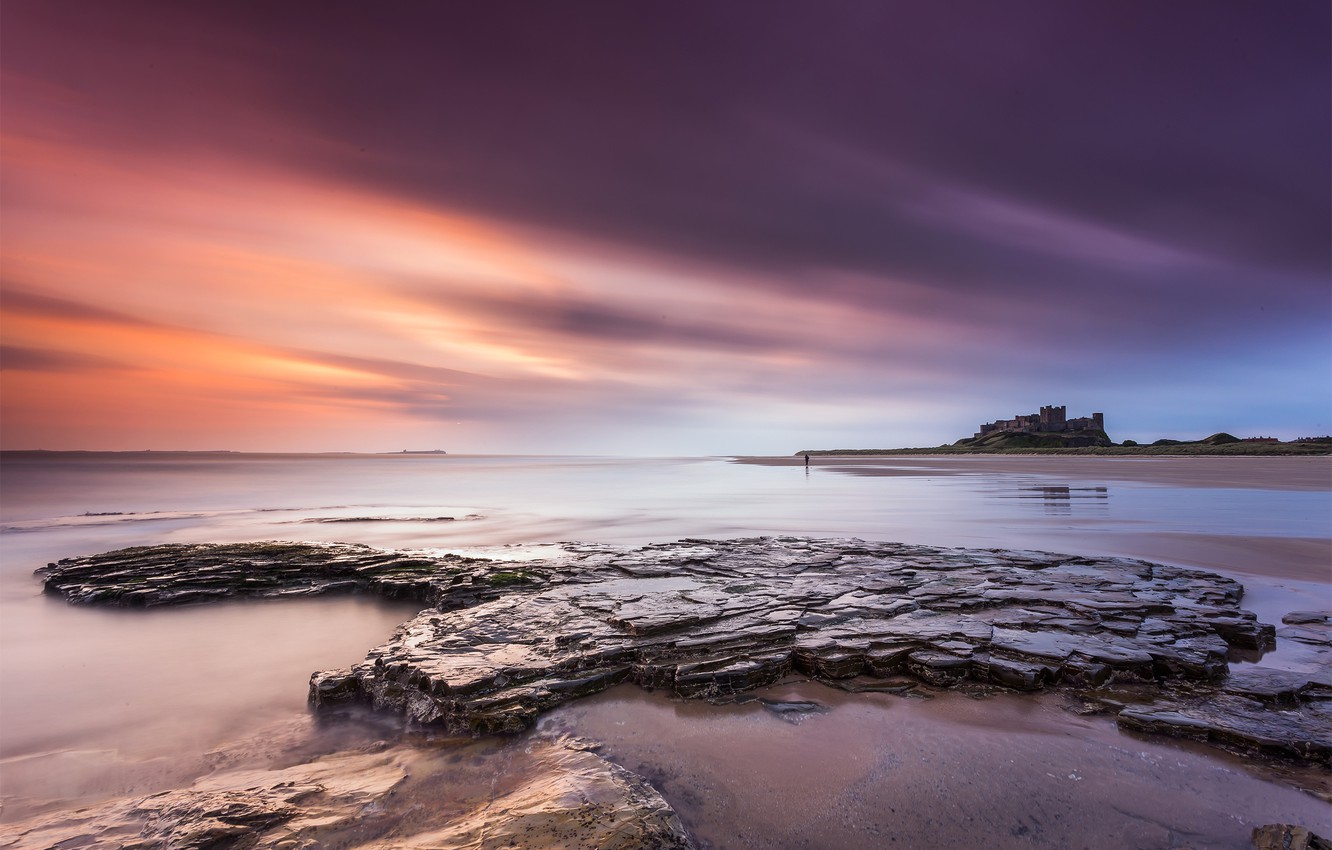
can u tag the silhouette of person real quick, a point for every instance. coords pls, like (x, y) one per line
(806, 460)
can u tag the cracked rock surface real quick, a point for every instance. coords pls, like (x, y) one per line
(1255, 709)
(184, 574)
(506, 639)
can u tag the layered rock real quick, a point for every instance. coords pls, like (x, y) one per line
(710, 619)
(1257, 710)
(1284, 836)
(505, 640)
(185, 574)
(563, 796)
(576, 801)
(234, 809)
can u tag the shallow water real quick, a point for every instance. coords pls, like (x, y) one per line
(103, 702)
(878, 770)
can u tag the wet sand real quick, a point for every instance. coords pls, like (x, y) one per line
(878, 770)
(1245, 557)
(1248, 557)
(1264, 473)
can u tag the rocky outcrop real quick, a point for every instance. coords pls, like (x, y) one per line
(710, 619)
(505, 640)
(183, 574)
(577, 801)
(565, 797)
(1302, 731)
(286, 808)
(1257, 710)
(1282, 836)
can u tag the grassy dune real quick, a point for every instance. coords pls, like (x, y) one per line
(1021, 444)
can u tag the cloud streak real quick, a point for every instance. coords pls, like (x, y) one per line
(22, 359)
(457, 225)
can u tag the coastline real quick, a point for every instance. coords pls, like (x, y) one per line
(1185, 449)
(1259, 560)
(1257, 518)
(872, 694)
(1297, 472)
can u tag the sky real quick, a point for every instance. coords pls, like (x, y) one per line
(660, 227)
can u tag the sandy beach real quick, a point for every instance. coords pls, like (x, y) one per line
(1260, 473)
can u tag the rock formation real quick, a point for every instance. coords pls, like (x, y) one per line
(505, 640)
(182, 574)
(560, 796)
(1282, 836)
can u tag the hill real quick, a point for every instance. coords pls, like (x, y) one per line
(1035, 444)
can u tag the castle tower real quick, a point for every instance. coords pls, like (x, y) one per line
(1099, 419)
(1053, 418)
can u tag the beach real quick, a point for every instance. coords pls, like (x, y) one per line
(188, 691)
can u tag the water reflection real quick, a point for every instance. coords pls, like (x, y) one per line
(1059, 499)
(1015, 766)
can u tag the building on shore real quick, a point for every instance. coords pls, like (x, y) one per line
(1050, 420)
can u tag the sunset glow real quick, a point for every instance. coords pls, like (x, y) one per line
(208, 244)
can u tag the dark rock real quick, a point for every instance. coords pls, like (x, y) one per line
(1306, 618)
(829, 609)
(793, 711)
(1283, 688)
(1283, 836)
(1308, 628)
(1285, 713)
(179, 574)
(1302, 731)
(710, 619)
(895, 685)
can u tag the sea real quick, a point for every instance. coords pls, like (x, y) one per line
(96, 704)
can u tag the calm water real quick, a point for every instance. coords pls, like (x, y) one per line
(99, 702)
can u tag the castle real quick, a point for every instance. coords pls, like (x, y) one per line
(1050, 420)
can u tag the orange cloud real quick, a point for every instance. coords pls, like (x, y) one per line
(193, 294)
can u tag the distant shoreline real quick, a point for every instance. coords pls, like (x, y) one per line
(1240, 449)
(1297, 472)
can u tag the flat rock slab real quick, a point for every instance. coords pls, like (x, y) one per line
(188, 574)
(565, 798)
(504, 640)
(576, 801)
(711, 619)
(1301, 732)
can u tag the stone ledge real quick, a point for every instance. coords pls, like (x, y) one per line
(506, 640)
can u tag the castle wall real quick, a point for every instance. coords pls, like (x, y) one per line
(1053, 418)
(1050, 419)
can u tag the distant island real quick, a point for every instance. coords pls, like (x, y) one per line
(1050, 431)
